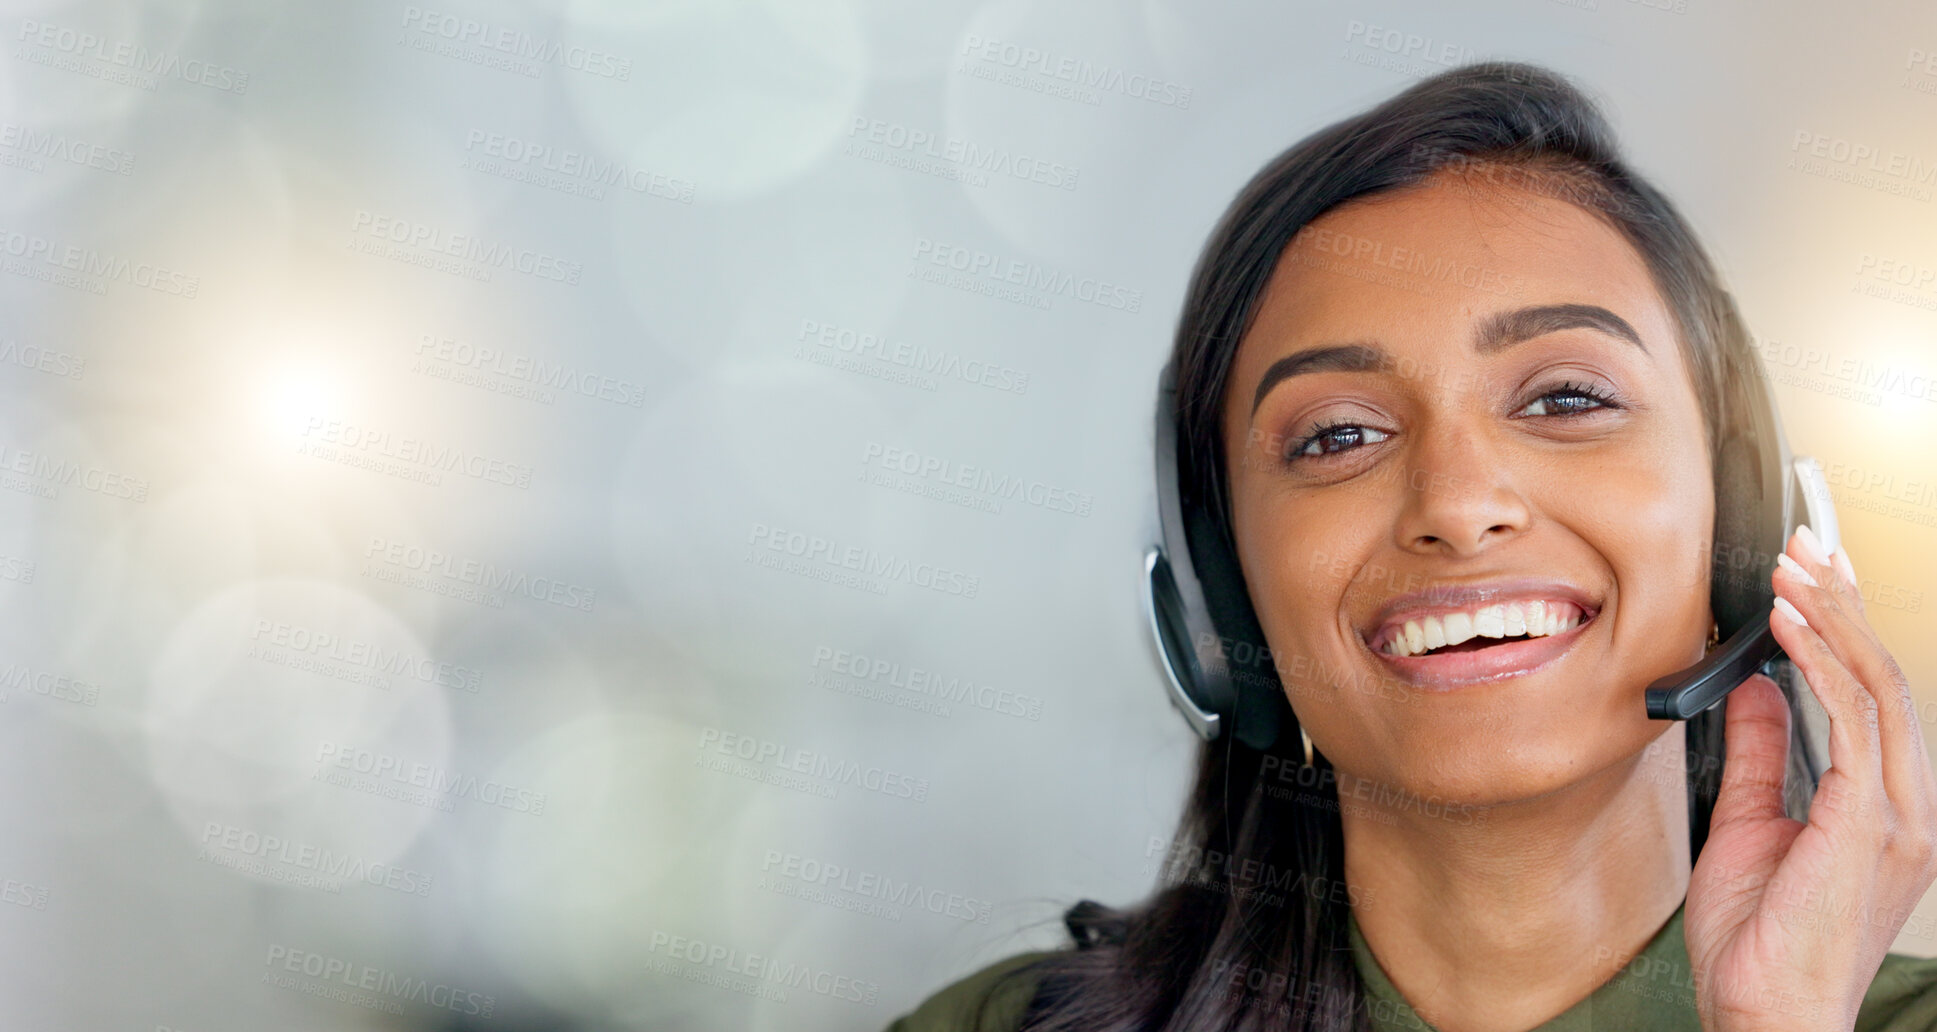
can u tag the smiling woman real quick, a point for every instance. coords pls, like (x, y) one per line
(1451, 385)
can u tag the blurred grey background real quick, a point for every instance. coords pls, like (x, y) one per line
(626, 515)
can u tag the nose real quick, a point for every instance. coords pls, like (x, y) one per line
(1459, 496)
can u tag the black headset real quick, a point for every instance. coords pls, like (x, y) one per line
(1221, 673)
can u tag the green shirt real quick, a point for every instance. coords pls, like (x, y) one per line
(1655, 992)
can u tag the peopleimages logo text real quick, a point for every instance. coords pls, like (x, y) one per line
(378, 981)
(1069, 68)
(431, 778)
(219, 839)
(965, 153)
(1030, 276)
(516, 43)
(432, 562)
(812, 548)
(467, 247)
(763, 752)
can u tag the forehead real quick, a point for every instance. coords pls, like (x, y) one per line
(1415, 269)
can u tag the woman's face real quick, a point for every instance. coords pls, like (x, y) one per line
(1462, 412)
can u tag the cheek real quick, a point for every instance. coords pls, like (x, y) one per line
(1651, 520)
(1299, 559)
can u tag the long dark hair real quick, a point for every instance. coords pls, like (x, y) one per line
(1247, 928)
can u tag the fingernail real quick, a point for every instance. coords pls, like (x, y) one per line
(1843, 567)
(1810, 546)
(1783, 607)
(1783, 560)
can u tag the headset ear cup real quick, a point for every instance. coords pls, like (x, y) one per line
(1258, 706)
(1739, 588)
(1193, 681)
(1752, 496)
(1227, 670)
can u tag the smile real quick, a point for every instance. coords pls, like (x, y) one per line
(1466, 634)
(1537, 618)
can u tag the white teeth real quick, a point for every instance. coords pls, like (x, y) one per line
(1533, 619)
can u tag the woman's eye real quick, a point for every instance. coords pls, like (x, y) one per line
(1566, 401)
(1338, 438)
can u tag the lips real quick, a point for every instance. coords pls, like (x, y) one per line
(1457, 634)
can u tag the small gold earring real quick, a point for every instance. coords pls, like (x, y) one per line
(1308, 744)
(1714, 636)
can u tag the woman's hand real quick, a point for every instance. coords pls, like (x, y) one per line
(1787, 923)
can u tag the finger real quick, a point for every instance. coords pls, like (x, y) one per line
(1841, 560)
(1756, 733)
(1850, 637)
(1853, 732)
(1828, 605)
(1803, 556)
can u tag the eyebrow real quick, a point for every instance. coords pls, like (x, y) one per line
(1494, 334)
(1503, 330)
